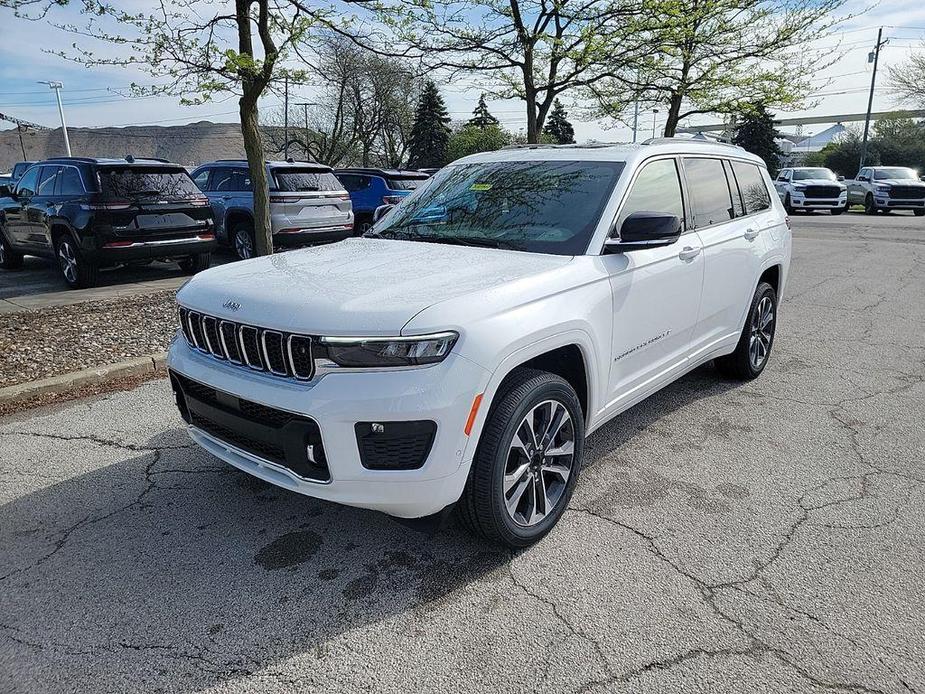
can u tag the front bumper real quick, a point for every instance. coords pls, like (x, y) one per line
(442, 393)
(801, 201)
(899, 204)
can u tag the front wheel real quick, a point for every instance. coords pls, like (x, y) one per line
(9, 258)
(787, 204)
(754, 347)
(919, 213)
(78, 271)
(870, 207)
(527, 461)
(838, 210)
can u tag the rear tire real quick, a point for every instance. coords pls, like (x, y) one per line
(242, 239)
(362, 223)
(753, 350)
(522, 478)
(77, 270)
(9, 258)
(196, 263)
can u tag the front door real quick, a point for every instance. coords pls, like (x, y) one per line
(656, 291)
(17, 213)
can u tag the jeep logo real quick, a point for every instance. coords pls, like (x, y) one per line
(231, 305)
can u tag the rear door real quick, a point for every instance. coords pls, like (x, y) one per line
(36, 232)
(656, 291)
(310, 198)
(735, 219)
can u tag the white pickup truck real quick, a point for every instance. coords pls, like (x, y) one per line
(887, 188)
(804, 188)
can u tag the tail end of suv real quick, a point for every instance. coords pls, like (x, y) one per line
(372, 188)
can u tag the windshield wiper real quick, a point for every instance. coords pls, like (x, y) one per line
(471, 241)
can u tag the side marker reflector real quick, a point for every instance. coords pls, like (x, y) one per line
(473, 412)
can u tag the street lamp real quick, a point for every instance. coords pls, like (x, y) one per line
(305, 105)
(57, 86)
(654, 116)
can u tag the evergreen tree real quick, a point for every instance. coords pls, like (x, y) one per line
(430, 132)
(481, 118)
(557, 125)
(756, 135)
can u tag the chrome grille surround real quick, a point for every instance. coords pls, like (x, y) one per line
(260, 349)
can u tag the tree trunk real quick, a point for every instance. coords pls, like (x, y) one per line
(533, 134)
(674, 115)
(253, 146)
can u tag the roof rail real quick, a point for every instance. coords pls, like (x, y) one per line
(686, 141)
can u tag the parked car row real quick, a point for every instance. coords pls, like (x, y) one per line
(90, 213)
(877, 188)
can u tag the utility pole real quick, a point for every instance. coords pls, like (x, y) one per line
(305, 105)
(636, 109)
(872, 57)
(286, 121)
(57, 86)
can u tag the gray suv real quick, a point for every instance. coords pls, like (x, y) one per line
(307, 203)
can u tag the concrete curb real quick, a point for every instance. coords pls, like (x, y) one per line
(58, 385)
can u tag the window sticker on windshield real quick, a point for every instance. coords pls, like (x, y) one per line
(480, 187)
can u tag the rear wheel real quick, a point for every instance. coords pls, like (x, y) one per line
(527, 462)
(754, 348)
(870, 207)
(196, 263)
(362, 224)
(9, 259)
(242, 237)
(77, 270)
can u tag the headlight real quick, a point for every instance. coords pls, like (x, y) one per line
(882, 188)
(372, 352)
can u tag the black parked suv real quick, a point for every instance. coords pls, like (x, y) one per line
(92, 213)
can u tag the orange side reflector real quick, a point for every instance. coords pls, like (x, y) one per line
(473, 412)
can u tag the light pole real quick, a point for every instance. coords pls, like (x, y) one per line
(654, 116)
(305, 105)
(286, 121)
(57, 86)
(872, 57)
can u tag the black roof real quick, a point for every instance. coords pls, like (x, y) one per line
(108, 161)
(387, 173)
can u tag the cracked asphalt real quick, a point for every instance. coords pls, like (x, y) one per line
(767, 537)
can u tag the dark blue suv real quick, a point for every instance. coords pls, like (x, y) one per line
(370, 188)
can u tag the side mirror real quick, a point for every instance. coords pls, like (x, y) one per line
(863, 178)
(381, 211)
(645, 230)
(840, 178)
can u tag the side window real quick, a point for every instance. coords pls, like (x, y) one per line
(711, 201)
(738, 209)
(657, 188)
(222, 180)
(202, 179)
(864, 173)
(242, 180)
(29, 182)
(783, 175)
(754, 192)
(69, 182)
(349, 182)
(47, 180)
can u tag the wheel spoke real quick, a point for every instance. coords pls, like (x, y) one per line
(513, 501)
(562, 471)
(540, 500)
(514, 477)
(556, 422)
(565, 448)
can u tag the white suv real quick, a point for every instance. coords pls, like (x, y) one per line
(462, 351)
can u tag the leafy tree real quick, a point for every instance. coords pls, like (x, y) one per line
(720, 56)
(756, 135)
(481, 118)
(430, 132)
(471, 139)
(896, 141)
(906, 79)
(533, 50)
(558, 126)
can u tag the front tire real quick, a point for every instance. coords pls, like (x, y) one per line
(838, 210)
(753, 350)
(870, 207)
(78, 271)
(196, 263)
(788, 207)
(9, 258)
(527, 462)
(919, 213)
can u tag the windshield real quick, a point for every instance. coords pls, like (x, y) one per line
(895, 172)
(537, 206)
(306, 180)
(811, 174)
(126, 183)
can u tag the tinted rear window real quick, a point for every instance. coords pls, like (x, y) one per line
(151, 182)
(751, 183)
(711, 201)
(305, 180)
(404, 183)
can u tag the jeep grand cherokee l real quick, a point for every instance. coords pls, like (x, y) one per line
(92, 213)
(461, 351)
(307, 203)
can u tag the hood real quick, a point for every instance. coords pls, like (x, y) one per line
(356, 287)
(818, 182)
(899, 182)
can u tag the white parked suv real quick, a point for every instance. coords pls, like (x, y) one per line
(460, 353)
(805, 188)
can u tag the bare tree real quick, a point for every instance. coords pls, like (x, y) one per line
(532, 50)
(906, 79)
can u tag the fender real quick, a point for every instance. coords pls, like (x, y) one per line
(580, 338)
(225, 229)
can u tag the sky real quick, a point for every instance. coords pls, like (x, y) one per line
(96, 97)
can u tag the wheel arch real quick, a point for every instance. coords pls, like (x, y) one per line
(234, 216)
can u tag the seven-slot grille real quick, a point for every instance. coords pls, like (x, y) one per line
(261, 349)
(822, 191)
(907, 192)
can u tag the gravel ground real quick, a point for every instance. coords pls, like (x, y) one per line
(54, 341)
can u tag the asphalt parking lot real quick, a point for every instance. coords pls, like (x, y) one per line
(767, 537)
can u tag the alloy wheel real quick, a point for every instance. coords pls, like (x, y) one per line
(68, 261)
(539, 463)
(762, 332)
(243, 244)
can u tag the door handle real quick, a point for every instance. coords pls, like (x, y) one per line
(751, 234)
(688, 253)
